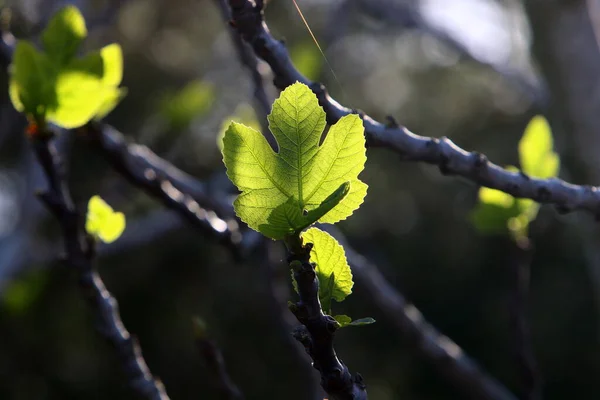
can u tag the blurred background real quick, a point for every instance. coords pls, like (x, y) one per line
(473, 70)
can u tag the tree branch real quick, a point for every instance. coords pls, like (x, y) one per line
(531, 385)
(262, 103)
(80, 256)
(248, 19)
(318, 329)
(215, 363)
(176, 189)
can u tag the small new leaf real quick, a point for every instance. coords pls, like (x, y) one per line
(63, 35)
(499, 212)
(79, 96)
(303, 174)
(536, 153)
(332, 269)
(57, 86)
(345, 320)
(31, 80)
(103, 222)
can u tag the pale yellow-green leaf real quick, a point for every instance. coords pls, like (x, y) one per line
(32, 77)
(180, 108)
(103, 222)
(112, 57)
(63, 35)
(243, 114)
(79, 97)
(536, 153)
(330, 258)
(112, 99)
(495, 197)
(302, 173)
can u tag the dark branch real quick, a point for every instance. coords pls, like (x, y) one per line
(177, 190)
(80, 257)
(6, 48)
(248, 19)
(262, 103)
(529, 374)
(215, 363)
(317, 330)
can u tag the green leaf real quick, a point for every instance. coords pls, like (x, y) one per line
(194, 100)
(63, 35)
(32, 80)
(106, 64)
(345, 320)
(243, 114)
(112, 61)
(307, 59)
(22, 293)
(80, 96)
(332, 269)
(88, 87)
(536, 153)
(288, 217)
(495, 209)
(362, 321)
(496, 197)
(103, 222)
(302, 174)
(112, 98)
(499, 212)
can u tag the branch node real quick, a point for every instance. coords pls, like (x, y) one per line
(391, 122)
(543, 194)
(480, 160)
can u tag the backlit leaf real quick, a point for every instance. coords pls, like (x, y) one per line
(536, 153)
(194, 100)
(345, 321)
(79, 97)
(31, 80)
(332, 269)
(63, 35)
(302, 174)
(499, 212)
(103, 222)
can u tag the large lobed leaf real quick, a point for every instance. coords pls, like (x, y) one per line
(286, 191)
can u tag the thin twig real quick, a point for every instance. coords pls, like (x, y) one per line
(215, 363)
(247, 18)
(262, 103)
(531, 388)
(317, 330)
(80, 257)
